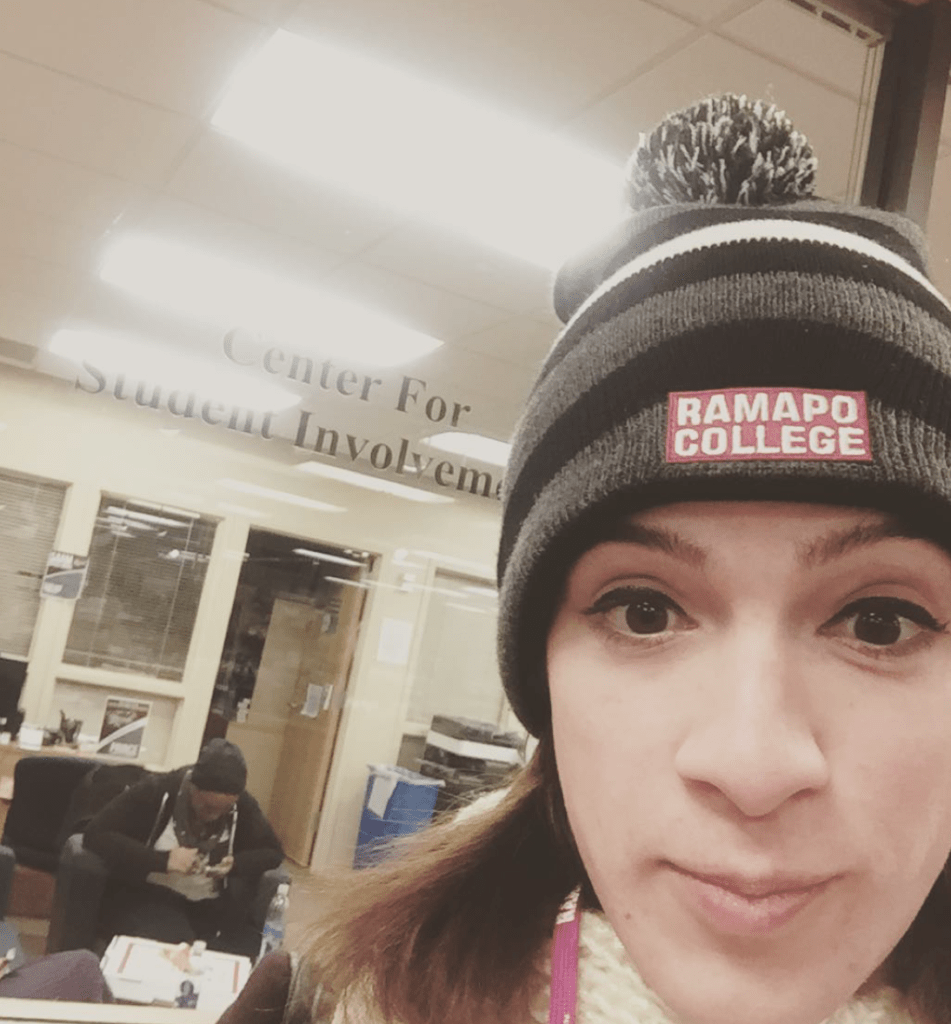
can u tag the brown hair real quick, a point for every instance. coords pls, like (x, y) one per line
(920, 964)
(452, 926)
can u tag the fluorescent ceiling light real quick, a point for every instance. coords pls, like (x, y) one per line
(156, 365)
(322, 556)
(126, 524)
(227, 292)
(420, 148)
(347, 583)
(365, 584)
(467, 608)
(171, 509)
(176, 555)
(475, 446)
(462, 564)
(372, 483)
(144, 517)
(285, 496)
(243, 510)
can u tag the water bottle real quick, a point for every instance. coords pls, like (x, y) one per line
(272, 937)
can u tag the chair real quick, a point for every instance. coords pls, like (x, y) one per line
(42, 789)
(7, 866)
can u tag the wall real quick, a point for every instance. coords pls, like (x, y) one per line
(96, 444)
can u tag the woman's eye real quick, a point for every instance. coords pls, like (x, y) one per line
(637, 611)
(884, 621)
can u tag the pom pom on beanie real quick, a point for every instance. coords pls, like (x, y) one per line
(725, 149)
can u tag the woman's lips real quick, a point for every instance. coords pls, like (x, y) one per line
(746, 907)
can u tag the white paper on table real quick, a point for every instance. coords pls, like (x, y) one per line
(396, 636)
(380, 793)
(140, 971)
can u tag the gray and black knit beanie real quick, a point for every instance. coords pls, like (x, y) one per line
(734, 339)
(220, 768)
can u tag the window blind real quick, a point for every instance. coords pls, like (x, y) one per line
(30, 511)
(147, 566)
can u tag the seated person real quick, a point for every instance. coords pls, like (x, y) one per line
(185, 850)
(73, 975)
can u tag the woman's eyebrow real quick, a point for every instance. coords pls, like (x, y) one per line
(657, 539)
(837, 543)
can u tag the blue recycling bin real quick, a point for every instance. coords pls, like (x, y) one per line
(397, 802)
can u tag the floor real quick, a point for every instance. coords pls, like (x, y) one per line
(303, 900)
(303, 905)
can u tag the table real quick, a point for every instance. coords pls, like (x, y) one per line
(142, 971)
(49, 1011)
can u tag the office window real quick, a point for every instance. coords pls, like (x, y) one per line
(29, 516)
(456, 673)
(146, 570)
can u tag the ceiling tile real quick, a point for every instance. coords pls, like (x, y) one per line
(713, 65)
(493, 390)
(55, 284)
(177, 54)
(705, 11)
(260, 10)
(105, 307)
(69, 119)
(490, 415)
(227, 176)
(37, 182)
(53, 239)
(234, 239)
(541, 59)
(794, 37)
(498, 379)
(521, 340)
(26, 319)
(416, 303)
(449, 262)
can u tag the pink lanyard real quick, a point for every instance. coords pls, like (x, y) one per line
(563, 1002)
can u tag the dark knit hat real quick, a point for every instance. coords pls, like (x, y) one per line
(734, 339)
(220, 768)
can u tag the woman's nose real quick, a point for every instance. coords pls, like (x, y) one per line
(749, 734)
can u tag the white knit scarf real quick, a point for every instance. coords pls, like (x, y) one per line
(610, 990)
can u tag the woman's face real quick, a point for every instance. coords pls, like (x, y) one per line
(751, 706)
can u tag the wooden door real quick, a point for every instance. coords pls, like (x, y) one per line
(261, 735)
(311, 730)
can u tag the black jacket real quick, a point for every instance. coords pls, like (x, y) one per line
(123, 832)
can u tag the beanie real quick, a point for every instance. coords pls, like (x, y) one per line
(736, 339)
(220, 768)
